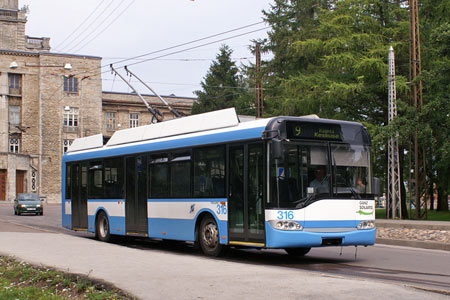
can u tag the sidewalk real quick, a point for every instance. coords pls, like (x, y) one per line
(158, 274)
(411, 233)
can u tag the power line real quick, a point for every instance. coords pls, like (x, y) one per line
(107, 26)
(81, 24)
(177, 46)
(90, 24)
(187, 43)
(98, 26)
(198, 46)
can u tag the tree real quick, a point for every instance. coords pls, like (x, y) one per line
(222, 86)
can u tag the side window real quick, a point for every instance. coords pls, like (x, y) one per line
(180, 175)
(113, 178)
(159, 176)
(209, 172)
(70, 84)
(95, 178)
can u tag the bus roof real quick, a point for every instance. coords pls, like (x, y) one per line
(208, 128)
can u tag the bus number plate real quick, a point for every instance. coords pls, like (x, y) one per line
(285, 215)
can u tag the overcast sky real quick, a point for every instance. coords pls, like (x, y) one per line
(120, 29)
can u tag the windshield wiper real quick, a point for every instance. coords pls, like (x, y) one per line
(305, 201)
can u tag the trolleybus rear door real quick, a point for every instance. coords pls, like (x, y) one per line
(136, 196)
(245, 195)
(79, 196)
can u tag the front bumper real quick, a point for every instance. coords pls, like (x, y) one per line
(295, 239)
(30, 210)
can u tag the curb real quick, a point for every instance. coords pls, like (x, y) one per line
(413, 225)
(414, 244)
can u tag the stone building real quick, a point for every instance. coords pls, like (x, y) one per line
(49, 99)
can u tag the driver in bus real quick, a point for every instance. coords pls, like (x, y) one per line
(319, 184)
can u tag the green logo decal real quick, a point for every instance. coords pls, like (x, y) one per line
(364, 213)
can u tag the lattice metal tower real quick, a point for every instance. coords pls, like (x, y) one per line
(418, 185)
(393, 183)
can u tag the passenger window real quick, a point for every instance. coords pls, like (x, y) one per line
(180, 170)
(159, 176)
(209, 172)
(95, 178)
(114, 178)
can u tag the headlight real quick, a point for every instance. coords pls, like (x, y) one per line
(22, 205)
(38, 205)
(366, 225)
(286, 225)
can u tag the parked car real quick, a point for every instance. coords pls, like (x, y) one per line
(28, 203)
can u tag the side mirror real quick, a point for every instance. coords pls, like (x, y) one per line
(376, 186)
(277, 149)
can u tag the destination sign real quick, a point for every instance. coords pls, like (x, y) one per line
(313, 131)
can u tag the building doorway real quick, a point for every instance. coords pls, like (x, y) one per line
(3, 177)
(20, 180)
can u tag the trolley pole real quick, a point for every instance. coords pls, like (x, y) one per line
(157, 116)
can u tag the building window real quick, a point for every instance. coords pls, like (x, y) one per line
(14, 144)
(70, 84)
(15, 84)
(71, 117)
(66, 145)
(110, 120)
(134, 120)
(14, 115)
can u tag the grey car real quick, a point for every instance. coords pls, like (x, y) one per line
(28, 203)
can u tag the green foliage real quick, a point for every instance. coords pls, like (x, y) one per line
(222, 87)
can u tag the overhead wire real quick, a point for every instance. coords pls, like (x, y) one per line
(81, 24)
(97, 27)
(88, 26)
(107, 26)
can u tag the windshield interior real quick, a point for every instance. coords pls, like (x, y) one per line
(311, 171)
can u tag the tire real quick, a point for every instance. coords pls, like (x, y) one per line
(297, 251)
(15, 212)
(102, 229)
(209, 237)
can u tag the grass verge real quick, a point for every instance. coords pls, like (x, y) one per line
(433, 215)
(23, 281)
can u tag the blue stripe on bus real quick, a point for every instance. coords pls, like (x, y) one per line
(151, 145)
(182, 229)
(116, 224)
(290, 239)
(330, 224)
(189, 200)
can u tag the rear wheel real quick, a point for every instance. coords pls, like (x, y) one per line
(102, 228)
(209, 237)
(297, 251)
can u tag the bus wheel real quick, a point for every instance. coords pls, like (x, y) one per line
(102, 228)
(209, 237)
(297, 251)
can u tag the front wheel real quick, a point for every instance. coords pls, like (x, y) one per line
(209, 237)
(102, 228)
(297, 251)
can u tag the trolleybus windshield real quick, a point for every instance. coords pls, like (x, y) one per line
(310, 171)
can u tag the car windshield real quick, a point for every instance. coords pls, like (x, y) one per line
(306, 173)
(28, 197)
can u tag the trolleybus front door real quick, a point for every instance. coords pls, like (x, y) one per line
(136, 221)
(245, 195)
(79, 196)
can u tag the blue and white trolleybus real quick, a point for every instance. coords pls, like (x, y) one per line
(283, 182)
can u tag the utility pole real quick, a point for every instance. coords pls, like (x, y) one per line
(418, 185)
(258, 90)
(393, 183)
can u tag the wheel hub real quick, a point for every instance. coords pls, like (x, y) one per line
(211, 235)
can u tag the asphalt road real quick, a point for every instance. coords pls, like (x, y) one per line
(420, 268)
